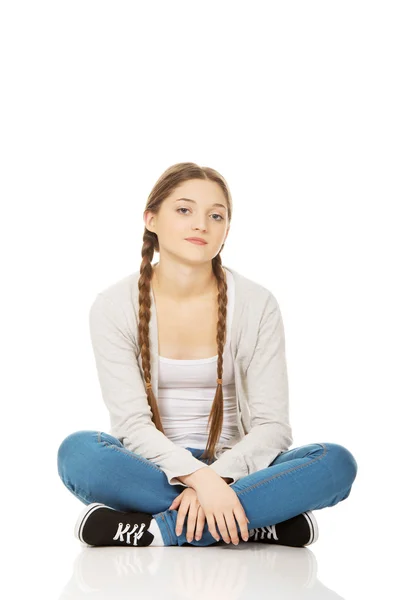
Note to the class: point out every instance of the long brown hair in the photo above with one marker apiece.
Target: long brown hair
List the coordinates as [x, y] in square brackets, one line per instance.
[165, 185]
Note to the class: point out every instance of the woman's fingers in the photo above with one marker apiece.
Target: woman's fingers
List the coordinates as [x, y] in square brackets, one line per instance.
[212, 527]
[191, 521]
[222, 528]
[201, 518]
[232, 528]
[175, 503]
[227, 523]
[180, 519]
[242, 521]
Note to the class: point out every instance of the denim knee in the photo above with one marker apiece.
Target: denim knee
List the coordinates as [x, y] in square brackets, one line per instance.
[343, 463]
[73, 447]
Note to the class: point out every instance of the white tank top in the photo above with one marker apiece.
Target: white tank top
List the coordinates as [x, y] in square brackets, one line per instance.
[186, 390]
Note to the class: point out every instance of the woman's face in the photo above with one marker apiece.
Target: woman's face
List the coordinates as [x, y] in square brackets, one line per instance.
[179, 219]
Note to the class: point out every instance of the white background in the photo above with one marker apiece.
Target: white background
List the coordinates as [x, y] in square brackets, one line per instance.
[296, 103]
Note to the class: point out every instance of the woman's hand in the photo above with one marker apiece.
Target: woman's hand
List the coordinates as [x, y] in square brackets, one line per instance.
[221, 506]
[187, 501]
[213, 500]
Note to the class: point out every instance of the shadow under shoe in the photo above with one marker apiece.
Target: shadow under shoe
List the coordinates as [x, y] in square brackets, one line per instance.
[101, 525]
[301, 530]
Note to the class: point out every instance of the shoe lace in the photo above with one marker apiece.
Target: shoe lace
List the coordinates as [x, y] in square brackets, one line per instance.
[137, 535]
[260, 532]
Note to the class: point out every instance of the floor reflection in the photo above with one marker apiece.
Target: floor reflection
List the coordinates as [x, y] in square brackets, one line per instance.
[234, 572]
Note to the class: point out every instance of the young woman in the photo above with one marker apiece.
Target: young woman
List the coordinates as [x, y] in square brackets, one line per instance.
[190, 356]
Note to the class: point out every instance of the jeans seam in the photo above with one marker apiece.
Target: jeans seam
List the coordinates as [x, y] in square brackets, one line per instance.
[167, 528]
[127, 452]
[238, 493]
[80, 496]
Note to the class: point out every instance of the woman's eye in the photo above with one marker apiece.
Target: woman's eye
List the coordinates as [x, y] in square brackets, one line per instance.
[217, 215]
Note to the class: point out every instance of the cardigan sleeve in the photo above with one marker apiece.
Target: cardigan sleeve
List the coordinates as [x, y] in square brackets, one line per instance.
[266, 387]
[123, 391]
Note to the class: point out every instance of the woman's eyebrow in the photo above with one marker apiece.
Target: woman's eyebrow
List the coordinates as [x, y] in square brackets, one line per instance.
[190, 200]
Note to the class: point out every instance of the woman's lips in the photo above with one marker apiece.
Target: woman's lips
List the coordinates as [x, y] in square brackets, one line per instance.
[197, 242]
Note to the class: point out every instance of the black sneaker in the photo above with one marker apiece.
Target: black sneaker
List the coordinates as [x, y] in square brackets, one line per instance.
[101, 525]
[301, 530]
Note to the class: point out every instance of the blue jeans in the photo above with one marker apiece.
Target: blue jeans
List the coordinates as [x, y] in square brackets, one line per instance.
[96, 467]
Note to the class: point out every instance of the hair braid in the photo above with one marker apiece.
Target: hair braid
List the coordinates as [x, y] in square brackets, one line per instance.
[164, 186]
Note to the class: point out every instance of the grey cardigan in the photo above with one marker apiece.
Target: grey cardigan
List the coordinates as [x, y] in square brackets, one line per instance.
[258, 350]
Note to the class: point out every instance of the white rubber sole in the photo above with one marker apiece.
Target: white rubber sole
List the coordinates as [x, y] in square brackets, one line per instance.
[313, 527]
[83, 516]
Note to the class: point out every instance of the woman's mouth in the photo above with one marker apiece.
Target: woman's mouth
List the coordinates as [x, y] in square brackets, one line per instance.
[198, 242]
